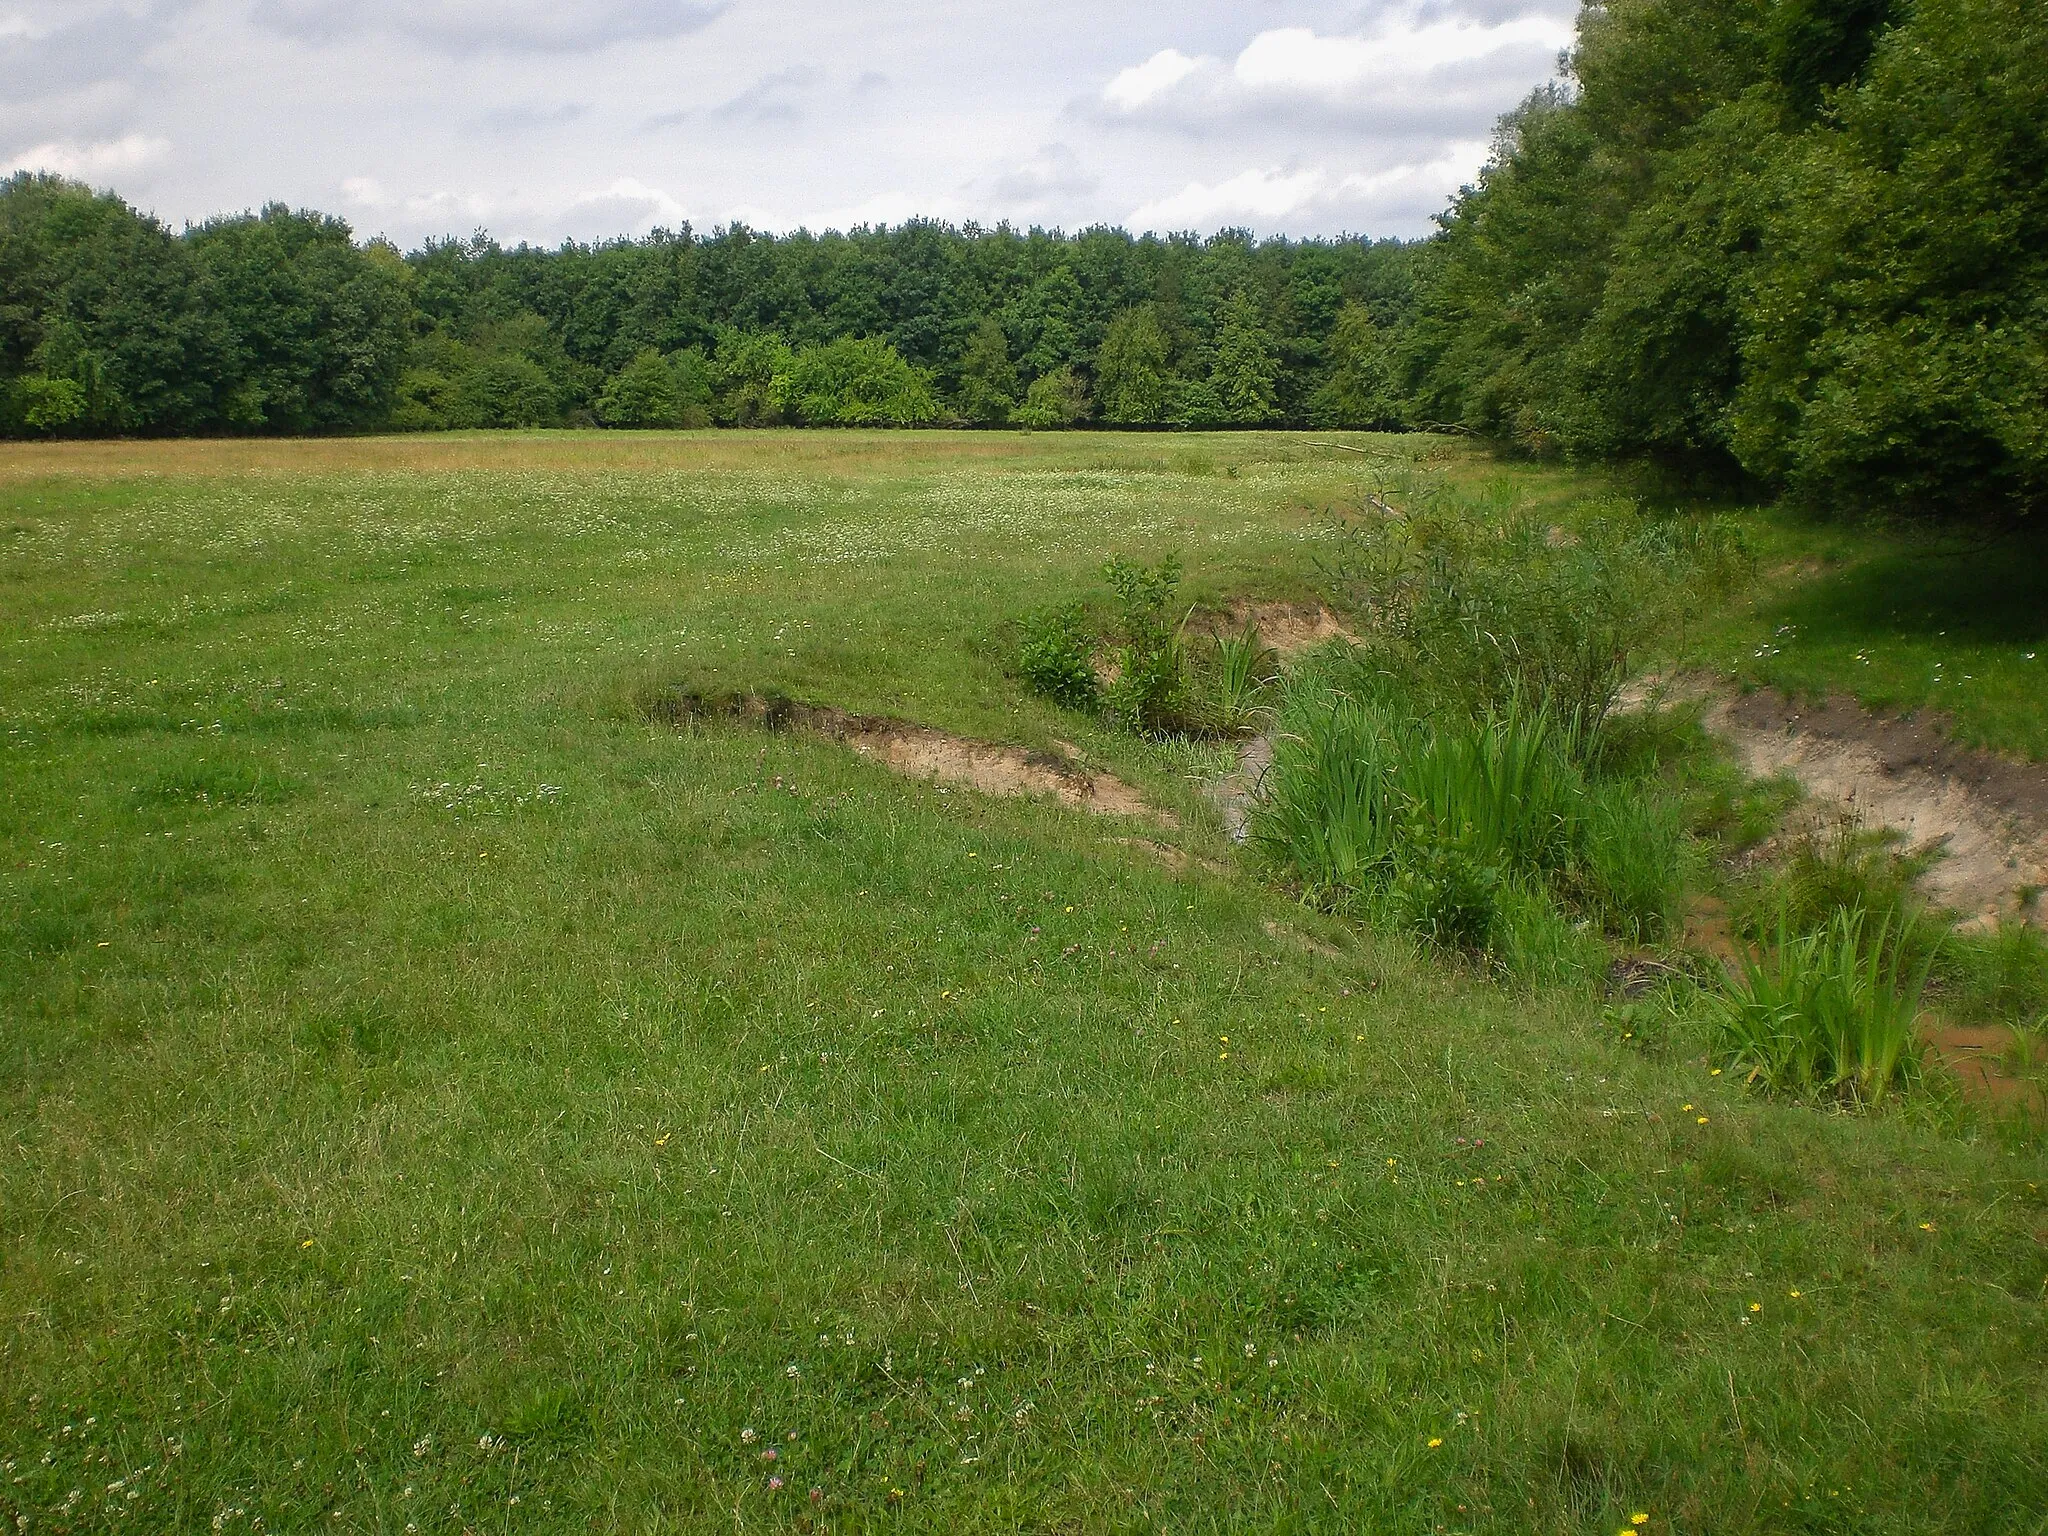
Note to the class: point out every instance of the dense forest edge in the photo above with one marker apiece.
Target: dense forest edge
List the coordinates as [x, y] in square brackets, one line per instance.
[1796, 245]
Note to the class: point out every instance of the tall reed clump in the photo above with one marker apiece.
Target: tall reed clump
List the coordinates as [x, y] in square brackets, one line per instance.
[1832, 1013]
[1467, 830]
[1245, 669]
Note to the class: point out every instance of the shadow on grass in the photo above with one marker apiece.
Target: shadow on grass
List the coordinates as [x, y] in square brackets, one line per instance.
[1993, 592]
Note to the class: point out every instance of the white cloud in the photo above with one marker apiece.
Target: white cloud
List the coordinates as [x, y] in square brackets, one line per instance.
[645, 207]
[1314, 198]
[1257, 194]
[425, 118]
[1296, 58]
[1054, 172]
[91, 162]
[1141, 83]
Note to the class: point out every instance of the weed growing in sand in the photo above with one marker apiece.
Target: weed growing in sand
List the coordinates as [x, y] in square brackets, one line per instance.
[1834, 1013]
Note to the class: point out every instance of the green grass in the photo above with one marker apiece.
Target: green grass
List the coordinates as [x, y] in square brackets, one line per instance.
[1954, 624]
[435, 1095]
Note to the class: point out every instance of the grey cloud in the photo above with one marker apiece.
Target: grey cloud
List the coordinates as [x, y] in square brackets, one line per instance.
[105, 45]
[1490, 12]
[777, 98]
[872, 80]
[528, 119]
[464, 26]
[1054, 172]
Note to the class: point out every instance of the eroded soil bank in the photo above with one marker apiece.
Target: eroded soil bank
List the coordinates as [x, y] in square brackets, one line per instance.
[919, 752]
[1986, 815]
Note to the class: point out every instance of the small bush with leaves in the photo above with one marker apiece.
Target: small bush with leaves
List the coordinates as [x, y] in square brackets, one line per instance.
[1053, 657]
[1475, 603]
[1150, 694]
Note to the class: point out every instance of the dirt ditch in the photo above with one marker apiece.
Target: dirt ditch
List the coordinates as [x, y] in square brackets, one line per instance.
[919, 752]
[1986, 814]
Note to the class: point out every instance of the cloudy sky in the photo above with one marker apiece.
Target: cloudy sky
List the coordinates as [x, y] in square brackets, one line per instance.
[550, 119]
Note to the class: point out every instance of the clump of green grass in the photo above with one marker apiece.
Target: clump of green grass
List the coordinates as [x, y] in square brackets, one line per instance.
[1829, 1014]
[1637, 857]
[1245, 670]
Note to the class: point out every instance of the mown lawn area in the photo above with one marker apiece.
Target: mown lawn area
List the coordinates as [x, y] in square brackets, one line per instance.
[435, 1095]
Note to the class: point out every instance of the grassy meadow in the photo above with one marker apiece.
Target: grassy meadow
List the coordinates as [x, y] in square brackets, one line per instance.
[438, 1097]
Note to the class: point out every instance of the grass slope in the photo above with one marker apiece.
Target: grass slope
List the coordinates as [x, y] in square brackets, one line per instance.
[1902, 620]
[435, 1097]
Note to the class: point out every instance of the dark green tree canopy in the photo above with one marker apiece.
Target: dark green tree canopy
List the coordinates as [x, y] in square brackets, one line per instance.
[1806, 240]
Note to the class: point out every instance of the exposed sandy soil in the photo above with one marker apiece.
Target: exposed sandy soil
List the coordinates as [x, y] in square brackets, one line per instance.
[1179, 860]
[919, 752]
[1988, 815]
[1300, 940]
[1288, 628]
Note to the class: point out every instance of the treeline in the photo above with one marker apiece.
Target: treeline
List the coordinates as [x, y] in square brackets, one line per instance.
[1803, 239]
[278, 322]
[1804, 242]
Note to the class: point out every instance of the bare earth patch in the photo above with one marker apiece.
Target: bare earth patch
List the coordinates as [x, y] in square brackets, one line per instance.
[920, 752]
[1288, 628]
[1987, 814]
[1977, 1055]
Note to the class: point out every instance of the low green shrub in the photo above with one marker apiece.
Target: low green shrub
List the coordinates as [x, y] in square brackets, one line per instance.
[1833, 1013]
[1054, 657]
